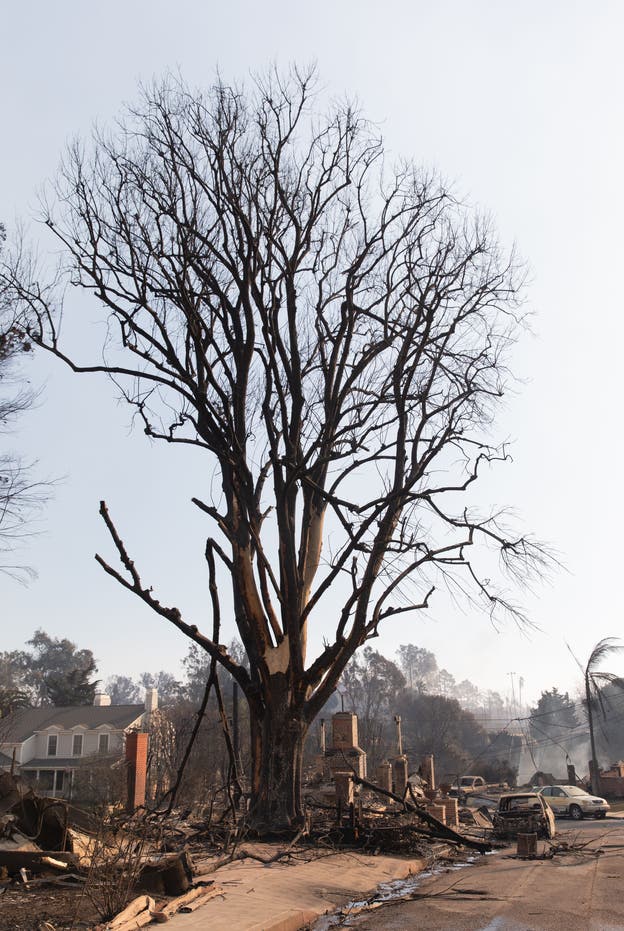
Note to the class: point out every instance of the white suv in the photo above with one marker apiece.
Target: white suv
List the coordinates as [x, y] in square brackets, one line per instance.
[575, 802]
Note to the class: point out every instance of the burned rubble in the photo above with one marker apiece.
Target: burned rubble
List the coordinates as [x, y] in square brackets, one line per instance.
[129, 868]
[55, 876]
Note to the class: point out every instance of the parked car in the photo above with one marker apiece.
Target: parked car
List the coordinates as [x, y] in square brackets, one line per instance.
[467, 784]
[575, 802]
[523, 813]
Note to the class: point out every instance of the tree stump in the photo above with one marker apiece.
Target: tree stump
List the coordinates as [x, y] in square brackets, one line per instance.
[170, 876]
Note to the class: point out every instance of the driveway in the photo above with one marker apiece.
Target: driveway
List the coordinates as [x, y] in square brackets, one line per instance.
[575, 891]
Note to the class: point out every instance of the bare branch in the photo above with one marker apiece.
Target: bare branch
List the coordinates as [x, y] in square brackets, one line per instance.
[134, 584]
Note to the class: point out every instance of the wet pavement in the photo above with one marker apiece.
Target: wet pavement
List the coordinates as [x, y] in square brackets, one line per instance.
[578, 890]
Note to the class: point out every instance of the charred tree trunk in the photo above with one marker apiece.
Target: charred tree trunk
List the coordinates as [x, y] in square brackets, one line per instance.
[277, 743]
[594, 768]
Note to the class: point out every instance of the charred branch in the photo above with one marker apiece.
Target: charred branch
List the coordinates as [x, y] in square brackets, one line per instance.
[215, 650]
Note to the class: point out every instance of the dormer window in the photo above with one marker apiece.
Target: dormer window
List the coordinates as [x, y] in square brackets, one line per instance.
[77, 745]
[103, 744]
[52, 744]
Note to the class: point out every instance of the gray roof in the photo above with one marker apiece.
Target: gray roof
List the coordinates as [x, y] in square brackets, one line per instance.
[71, 762]
[24, 722]
[54, 762]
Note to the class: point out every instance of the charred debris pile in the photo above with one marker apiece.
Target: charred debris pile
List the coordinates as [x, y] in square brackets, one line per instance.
[60, 868]
[126, 866]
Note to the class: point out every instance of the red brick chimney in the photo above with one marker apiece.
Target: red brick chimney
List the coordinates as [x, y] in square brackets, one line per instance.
[136, 759]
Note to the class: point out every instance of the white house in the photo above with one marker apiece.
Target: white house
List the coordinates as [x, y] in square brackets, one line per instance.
[48, 744]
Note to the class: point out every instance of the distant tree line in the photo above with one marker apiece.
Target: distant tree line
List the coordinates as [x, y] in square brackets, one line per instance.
[463, 725]
[437, 714]
[54, 671]
[468, 728]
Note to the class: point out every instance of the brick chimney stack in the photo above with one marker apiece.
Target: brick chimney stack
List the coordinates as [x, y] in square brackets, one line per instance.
[136, 759]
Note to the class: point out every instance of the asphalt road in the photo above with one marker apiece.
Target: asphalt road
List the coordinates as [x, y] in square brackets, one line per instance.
[581, 890]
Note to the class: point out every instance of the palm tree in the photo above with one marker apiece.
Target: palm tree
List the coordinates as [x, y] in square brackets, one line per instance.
[595, 680]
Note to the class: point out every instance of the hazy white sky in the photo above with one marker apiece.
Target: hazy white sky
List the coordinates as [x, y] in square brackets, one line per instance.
[520, 105]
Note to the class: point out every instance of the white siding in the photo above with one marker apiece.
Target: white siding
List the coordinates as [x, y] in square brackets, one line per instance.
[29, 749]
[65, 742]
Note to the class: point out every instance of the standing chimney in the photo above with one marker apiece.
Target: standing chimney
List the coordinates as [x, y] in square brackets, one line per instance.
[101, 700]
[344, 730]
[151, 700]
[428, 771]
[136, 760]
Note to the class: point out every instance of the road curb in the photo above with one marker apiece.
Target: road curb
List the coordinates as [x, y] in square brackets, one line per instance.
[288, 920]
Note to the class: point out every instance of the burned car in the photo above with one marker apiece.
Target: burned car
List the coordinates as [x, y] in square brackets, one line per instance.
[466, 785]
[523, 813]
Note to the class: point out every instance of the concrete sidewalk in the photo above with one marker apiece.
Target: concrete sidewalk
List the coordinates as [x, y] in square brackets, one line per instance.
[286, 896]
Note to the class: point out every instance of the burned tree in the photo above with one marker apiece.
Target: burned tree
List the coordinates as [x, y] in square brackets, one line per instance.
[20, 495]
[333, 334]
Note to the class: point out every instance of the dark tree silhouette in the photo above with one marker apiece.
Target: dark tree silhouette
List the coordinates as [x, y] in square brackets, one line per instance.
[170, 690]
[371, 685]
[595, 680]
[419, 666]
[439, 725]
[554, 716]
[20, 495]
[123, 690]
[55, 672]
[334, 334]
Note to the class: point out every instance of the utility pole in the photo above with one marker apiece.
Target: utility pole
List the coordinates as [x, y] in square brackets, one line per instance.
[513, 693]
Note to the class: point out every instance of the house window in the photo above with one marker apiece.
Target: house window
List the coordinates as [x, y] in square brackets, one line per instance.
[46, 780]
[103, 744]
[51, 780]
[52, 742]
[77, 745]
